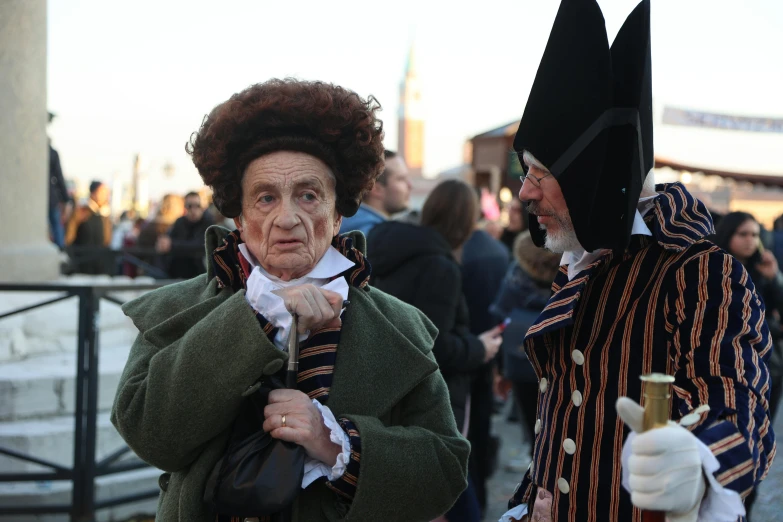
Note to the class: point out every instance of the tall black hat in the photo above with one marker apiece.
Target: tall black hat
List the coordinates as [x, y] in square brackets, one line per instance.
[589, 120]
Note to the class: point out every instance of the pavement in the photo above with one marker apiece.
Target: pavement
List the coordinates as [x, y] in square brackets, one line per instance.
[768, 506]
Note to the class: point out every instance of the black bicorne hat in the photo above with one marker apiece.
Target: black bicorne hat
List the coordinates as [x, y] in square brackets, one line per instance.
[589, 120]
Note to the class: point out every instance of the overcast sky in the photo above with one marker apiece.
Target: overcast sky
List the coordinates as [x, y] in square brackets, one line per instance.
[139, 76]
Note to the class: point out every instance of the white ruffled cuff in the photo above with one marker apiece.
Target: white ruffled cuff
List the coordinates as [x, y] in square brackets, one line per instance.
[315, 469]
[514, 514]
[719, 504]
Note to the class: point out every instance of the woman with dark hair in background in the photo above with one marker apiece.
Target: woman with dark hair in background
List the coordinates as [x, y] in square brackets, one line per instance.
[738, 233]
[420, 265]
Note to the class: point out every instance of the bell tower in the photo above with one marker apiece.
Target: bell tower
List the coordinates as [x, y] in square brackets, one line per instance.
[410, 136]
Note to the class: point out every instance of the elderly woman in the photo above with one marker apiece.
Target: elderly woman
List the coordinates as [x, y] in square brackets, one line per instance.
[287, 160]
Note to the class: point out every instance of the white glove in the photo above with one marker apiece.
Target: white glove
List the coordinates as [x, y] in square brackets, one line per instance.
[665, 466]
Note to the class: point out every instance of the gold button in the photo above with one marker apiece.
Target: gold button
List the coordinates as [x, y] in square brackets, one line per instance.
[569, 446]
[562, 485]
[542, 385]
[576, 397]
[537, 428]
[578, 357]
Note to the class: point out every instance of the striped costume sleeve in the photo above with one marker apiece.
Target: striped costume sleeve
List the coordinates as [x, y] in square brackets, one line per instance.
[268, 328]
[719, 344]
[345, 486]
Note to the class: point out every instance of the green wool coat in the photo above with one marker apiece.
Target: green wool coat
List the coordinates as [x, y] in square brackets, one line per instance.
[200, 348]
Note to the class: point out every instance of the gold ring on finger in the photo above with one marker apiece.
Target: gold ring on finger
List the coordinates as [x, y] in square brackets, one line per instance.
[284, 421]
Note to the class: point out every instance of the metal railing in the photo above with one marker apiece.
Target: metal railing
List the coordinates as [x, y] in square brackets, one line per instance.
[85, 468]
[105, 260]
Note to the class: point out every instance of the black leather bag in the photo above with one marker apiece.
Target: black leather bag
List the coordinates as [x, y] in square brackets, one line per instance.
[258, 475]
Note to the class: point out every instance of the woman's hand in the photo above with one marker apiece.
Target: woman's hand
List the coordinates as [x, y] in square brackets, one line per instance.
[304, 424]
[768, 267]
[316, 307]
[491, 339]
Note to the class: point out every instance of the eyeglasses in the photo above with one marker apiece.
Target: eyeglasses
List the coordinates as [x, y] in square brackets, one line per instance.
[536, 181]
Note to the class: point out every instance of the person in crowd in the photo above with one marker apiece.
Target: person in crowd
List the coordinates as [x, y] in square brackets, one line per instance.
[124, 226]
[170, 209]
[642, 291]
[93, 233]
[777, 239]
[130, 267]
[184, 242]
[419, 264]
[493, 228]
[389, 195]
[738, 234]
[484, 263]
[523, 295]
[516, 224]
[287, 159]
[58, 196]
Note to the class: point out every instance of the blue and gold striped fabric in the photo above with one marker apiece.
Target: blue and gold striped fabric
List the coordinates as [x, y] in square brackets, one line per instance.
[672, 303]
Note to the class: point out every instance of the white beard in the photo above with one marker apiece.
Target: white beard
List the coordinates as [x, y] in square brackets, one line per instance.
[562, 242]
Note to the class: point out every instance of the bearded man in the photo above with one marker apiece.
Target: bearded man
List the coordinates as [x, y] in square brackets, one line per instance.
[640, 290]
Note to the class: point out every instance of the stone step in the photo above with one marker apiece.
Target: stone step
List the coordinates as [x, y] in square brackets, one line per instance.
[54, 328]
[110, 486]
[45, 385]
[52, 439]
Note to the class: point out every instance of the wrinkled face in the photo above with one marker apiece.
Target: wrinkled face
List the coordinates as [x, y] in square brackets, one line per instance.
[397, 191]
[289, 215]
[544, 199]
[193, 208]
[745, 240]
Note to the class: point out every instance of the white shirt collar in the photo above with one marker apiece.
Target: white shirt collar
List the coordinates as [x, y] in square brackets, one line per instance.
[578, 260]
[332, 263]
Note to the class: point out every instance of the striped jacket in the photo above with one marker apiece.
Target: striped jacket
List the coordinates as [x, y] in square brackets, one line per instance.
[674, 303]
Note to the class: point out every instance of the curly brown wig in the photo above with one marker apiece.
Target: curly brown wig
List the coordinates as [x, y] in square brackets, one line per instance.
[327, 121]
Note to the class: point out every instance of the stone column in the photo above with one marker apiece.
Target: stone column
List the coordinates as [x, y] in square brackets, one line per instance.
[26, 253]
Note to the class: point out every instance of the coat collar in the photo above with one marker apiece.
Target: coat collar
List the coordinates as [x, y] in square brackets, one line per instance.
[678, 220]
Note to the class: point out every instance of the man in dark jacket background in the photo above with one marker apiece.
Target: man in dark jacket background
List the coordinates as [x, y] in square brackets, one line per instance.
[93, 233]
[185, 240]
